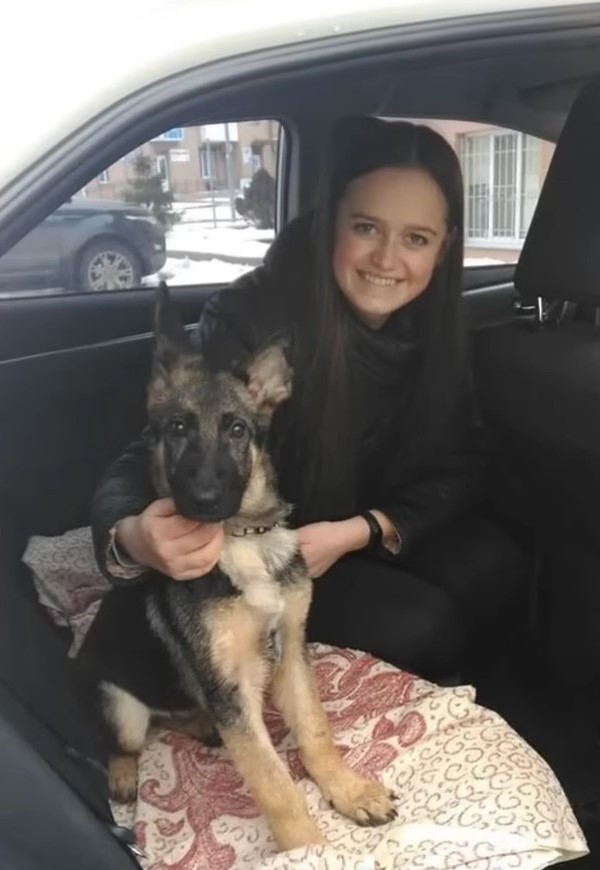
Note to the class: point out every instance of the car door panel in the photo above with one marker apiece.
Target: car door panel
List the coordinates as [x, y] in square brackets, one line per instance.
[30, 325]
[71, 407]
[39, 324]
[65, 415]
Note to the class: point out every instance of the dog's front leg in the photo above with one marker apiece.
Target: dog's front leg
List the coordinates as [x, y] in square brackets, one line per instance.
[236, 703]
[295, 693]
[278, 798]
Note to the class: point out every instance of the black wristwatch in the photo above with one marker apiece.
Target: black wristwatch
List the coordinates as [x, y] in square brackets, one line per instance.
[375, 532]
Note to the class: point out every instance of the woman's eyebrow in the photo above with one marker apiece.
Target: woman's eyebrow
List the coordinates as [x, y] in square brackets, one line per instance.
[363, 216]
[414, 228]
[421, 229]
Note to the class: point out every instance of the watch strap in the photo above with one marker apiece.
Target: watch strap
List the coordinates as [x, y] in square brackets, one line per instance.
[375, 531]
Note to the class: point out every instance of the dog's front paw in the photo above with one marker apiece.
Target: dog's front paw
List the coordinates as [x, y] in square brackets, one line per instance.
[366, 801]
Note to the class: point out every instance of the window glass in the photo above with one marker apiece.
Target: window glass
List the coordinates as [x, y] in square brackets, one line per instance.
[195, 205]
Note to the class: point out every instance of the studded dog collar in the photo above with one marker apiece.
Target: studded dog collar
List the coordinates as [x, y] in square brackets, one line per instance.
[255, 530]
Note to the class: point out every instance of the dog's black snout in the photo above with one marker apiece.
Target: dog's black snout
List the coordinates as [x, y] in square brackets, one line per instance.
[205, 497]
[206, 485]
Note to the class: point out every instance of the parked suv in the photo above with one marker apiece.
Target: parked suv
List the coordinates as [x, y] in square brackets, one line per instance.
[86, 245]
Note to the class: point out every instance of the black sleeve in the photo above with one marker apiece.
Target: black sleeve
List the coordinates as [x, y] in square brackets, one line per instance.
[124, 490]
[238, 320]
[449, 486]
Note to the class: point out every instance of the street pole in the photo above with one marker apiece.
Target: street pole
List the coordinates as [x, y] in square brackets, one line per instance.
[210, 181]
[228, 172]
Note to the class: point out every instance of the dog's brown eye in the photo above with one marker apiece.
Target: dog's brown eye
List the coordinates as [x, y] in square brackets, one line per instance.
[176, 427]
[238, 429]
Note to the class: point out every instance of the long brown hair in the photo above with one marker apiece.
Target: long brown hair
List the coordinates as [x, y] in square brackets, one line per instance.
[358, 146]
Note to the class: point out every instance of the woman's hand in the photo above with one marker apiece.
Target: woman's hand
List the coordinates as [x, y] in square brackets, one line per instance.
[162, 539]
[322, 544]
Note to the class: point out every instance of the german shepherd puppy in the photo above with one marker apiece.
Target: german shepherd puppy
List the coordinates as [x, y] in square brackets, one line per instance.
[199, 654]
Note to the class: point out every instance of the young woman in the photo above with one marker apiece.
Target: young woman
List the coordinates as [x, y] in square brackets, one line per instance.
[378, 448]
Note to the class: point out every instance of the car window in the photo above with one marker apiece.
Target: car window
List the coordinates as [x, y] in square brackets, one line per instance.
[503, 172]
[195, 205]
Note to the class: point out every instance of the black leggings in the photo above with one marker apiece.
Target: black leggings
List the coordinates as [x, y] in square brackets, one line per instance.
[430, 613]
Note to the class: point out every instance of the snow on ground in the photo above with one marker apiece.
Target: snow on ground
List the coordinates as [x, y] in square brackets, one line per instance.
[207, 211]
[178, 272]
[219, 212]
[233, 241]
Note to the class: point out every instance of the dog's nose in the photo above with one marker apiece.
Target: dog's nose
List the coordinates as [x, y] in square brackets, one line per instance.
[205, 497]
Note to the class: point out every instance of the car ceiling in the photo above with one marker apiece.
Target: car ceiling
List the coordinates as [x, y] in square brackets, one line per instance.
[525, 88]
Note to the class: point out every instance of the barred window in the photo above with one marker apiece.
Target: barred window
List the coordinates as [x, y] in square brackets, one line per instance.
[502, 182]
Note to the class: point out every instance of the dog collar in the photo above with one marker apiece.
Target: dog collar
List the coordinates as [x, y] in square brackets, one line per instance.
[255, 530]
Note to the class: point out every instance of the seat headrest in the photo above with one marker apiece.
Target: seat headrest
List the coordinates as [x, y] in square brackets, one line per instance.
[560, 259]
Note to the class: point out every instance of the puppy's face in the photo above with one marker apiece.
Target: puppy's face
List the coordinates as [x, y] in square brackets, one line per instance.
[208, 428]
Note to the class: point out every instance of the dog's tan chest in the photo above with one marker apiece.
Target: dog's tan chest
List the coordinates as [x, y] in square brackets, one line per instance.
[252, 564]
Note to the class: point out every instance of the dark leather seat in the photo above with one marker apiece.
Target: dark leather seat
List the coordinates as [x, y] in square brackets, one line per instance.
[538, 383]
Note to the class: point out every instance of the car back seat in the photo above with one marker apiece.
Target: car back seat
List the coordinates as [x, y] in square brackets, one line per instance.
[538, 384]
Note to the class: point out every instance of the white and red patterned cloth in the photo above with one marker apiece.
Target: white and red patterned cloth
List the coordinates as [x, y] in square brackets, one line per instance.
[471, 793]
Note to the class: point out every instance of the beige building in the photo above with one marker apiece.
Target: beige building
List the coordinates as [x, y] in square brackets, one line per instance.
[196, 161]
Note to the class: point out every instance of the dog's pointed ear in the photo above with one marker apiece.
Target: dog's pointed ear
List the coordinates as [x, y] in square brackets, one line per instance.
[269, 378]
[171, 338]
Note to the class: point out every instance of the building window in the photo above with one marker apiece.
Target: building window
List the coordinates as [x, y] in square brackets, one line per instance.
[103, 177]
[502, 175]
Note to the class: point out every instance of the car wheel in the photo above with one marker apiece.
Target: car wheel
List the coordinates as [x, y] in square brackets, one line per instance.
[108, 265]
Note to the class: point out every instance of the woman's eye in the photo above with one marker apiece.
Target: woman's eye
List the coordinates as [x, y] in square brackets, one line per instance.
[417, 240]
[237, 429]
[176, 427]
[362, 228]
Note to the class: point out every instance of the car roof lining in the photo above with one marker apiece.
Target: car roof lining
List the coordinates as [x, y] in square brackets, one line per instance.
[531, 91]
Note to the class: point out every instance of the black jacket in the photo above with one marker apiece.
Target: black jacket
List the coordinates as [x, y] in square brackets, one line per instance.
[270, 302]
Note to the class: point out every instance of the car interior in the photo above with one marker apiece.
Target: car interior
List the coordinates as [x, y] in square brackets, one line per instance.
[73, 370]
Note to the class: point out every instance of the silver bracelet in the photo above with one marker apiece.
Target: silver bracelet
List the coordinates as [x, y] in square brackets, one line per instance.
[121, 560]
